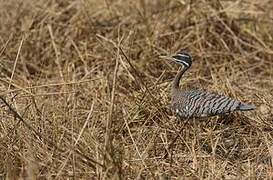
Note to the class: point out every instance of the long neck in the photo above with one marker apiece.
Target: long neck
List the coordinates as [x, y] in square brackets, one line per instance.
[178, 77]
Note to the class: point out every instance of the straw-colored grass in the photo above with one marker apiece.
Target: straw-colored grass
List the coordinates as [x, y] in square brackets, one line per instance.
[84, 92]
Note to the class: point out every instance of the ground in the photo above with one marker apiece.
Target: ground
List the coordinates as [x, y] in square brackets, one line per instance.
[85, 89]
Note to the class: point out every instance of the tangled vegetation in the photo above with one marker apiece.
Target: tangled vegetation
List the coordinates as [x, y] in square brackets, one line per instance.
[85, 93]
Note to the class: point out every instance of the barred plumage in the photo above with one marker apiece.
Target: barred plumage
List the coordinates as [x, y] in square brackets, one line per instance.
[195, 103]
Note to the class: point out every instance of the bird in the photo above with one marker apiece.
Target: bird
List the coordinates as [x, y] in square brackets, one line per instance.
[199, 103]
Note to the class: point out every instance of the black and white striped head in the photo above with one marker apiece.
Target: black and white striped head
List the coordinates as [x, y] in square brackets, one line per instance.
[183, 59]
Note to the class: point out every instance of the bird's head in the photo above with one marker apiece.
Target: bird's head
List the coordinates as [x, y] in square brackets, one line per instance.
[183, 58]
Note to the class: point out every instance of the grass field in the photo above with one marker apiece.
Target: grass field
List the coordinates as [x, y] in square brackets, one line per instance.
[85, 93]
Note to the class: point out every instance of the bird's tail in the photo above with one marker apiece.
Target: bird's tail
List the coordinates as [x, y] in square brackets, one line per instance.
[246, 107]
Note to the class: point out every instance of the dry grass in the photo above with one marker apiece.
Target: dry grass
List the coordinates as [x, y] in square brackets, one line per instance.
[87, 93]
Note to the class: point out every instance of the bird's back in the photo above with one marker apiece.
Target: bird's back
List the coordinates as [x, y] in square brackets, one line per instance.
[196, 103]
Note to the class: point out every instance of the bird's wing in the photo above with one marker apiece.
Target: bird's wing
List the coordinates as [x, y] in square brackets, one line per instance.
[202, 103]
